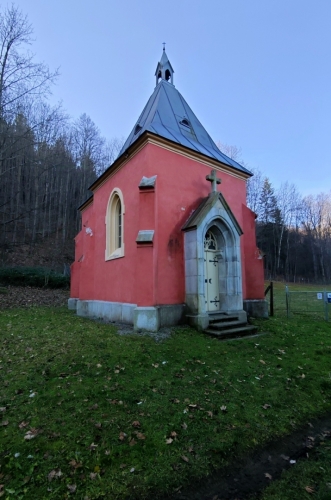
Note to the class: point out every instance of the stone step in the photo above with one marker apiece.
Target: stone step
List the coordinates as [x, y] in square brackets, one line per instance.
[242, 331]
[213, 318]
[223, 325]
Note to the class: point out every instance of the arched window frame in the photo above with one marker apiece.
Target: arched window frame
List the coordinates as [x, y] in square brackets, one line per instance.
[115, 225]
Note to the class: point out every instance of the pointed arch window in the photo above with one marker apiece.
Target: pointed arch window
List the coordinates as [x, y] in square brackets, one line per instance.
[115, 226]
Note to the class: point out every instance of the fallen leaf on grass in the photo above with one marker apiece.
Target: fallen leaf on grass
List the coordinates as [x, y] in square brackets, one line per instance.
[31, 434]
[309, 489]
[94, 407]
[122, 466]
[183, 457]
[261, 361]
[75, 464]
[169, 441]
[140, 435]
[2, 408]
[173, 434]
[4, 423]
[72, 488]
[136, 423]
[132, 442]
[55, 473]
[122, 436]
[267, 475]
[209, 413]
[98, 425]
[93, 475]
[156, 365]
[266, 406]
[284, 457]
[92, 447]
[184, 426]
[23, 424]
[223, 408]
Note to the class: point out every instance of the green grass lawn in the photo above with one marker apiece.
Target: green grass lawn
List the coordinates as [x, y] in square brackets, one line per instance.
[90, 414]
[308, 479]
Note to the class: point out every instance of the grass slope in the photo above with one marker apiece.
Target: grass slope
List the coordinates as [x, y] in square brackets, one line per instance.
[308, 479]
[87, 413]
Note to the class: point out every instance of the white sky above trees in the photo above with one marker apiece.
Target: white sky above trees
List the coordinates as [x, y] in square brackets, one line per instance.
[256, 73]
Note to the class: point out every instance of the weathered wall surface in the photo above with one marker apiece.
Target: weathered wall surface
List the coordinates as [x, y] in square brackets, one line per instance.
[153, 275]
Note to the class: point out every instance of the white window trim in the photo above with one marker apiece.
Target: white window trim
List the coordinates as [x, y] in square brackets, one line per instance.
[110, 252]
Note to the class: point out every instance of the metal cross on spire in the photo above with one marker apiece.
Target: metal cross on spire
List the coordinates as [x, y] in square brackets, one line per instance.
[213, 180]
[164, 44]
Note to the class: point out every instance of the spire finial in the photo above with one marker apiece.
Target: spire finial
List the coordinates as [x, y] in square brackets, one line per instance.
[164, 70]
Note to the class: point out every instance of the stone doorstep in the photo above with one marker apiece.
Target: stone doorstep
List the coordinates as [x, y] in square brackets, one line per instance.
[220, 318]
[233, 332]
[224, 325]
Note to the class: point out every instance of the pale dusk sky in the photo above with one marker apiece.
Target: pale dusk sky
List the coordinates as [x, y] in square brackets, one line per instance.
[256, 73]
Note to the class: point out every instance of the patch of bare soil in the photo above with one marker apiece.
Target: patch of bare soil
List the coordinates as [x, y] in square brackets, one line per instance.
[251, 475]
[19, 296]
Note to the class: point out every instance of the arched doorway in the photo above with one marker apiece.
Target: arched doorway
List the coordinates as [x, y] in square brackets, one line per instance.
[211, 268]
[213, 281]
[222, 278]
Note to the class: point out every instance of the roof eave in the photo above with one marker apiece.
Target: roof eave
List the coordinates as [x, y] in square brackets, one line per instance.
[148, 136]
[210, 160]
[86, 203]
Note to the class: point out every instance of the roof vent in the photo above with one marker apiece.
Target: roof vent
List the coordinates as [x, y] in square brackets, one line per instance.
[137, 129]
[185, 122]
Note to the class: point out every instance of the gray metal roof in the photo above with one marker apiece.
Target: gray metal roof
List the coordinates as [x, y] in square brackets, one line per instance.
[168, 115]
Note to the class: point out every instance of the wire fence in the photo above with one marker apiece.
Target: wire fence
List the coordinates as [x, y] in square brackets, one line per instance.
[314, 303]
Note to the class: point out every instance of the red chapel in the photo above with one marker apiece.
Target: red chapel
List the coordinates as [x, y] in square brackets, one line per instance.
[167, 236]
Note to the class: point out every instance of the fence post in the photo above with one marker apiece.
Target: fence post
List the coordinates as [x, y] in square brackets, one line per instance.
[287, 301]
[326, 308]
[271, 298]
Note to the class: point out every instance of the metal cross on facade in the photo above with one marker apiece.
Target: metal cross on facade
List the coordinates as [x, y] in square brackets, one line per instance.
[213, 180]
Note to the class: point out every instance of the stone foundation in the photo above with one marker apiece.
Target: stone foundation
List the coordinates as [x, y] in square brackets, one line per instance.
[142, 318]
[256, 308]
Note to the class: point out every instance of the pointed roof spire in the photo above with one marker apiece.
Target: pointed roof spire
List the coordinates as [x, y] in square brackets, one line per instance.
[164, 70]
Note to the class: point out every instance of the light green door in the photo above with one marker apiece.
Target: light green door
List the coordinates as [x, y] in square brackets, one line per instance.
[212, 293]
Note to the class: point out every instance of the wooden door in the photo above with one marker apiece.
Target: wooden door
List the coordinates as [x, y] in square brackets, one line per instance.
[212, 293]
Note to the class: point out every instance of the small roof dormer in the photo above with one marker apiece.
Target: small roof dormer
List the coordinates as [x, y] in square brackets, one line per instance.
[164, 70]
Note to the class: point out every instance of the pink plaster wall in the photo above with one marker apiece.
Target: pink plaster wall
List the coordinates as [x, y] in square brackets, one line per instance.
[154, 275]
[253, 276]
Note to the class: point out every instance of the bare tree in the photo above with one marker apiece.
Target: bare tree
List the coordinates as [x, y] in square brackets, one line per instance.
[20, 75]
[289, 202]
[254, 189]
